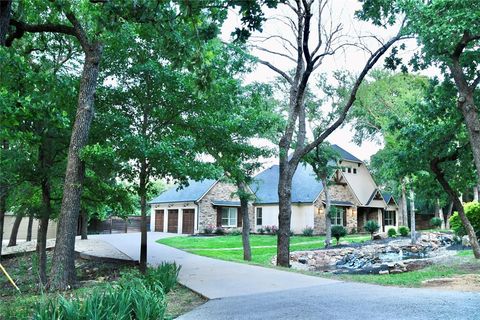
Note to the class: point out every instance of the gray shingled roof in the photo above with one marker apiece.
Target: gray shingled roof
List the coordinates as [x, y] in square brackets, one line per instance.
[305, 188]
[345, 154]
[193, 192]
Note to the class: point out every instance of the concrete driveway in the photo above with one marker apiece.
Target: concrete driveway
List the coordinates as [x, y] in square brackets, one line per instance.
[241, 291]
[213, 278]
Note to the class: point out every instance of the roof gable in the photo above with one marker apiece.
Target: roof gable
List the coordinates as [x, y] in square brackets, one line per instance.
[305, 186]
[345, 155]
[193, 192]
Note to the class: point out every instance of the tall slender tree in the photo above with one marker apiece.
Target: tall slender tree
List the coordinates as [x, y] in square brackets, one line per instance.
[307, 51]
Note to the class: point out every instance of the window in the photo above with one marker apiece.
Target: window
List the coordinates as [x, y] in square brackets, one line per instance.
[259, 217]
[354, 170]
[389, 218]
[349, 170]
[229, 217]
[337, 215]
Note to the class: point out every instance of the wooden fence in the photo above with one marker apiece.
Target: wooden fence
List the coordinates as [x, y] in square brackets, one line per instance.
[116, 225]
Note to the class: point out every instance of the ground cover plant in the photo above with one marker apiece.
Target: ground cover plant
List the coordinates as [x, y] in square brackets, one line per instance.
[105, 290]
[263, 246]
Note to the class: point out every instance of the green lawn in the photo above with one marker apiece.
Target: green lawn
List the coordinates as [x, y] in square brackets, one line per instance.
[264, 247]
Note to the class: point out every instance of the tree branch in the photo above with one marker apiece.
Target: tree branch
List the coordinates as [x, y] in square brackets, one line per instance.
[21, 28]
[277, 70]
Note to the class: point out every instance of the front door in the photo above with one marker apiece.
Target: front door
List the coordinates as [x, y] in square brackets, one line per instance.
[173, 221]
[188, 221]
[159, 216]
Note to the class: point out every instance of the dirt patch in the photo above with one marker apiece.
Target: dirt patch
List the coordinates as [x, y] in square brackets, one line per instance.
[466, 282]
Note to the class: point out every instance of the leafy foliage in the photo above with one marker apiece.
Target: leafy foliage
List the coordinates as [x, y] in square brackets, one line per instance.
[403, 230]
[371, 226]
[436, 222]
[392, 233]
[472, 211]
[308, 232]
[338, 232]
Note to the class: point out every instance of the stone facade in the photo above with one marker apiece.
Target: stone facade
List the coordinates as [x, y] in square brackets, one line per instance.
[207, 213]
[337, 192]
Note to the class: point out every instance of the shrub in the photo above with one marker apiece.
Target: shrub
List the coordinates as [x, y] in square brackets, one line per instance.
[436, 222]
[274, 229]
[338, 232]
[268, 229]
[165, 276]
[353, 231]
[261, 230]
[472, 211]
[235, 232]
[392, 233]
[371, 226]
[307, 232]
[219, 231]
[132, 298]
[209, 229]
[403, 231]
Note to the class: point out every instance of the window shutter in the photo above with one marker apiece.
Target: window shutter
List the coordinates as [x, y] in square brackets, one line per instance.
[394, 218]
[239, 217]
[345, 217]
[219, 216]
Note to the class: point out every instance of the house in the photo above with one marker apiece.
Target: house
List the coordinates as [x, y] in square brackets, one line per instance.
[352, 191]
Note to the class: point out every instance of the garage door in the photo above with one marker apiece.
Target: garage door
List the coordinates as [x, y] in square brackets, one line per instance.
[173, 221]
[159, 216]
[188, 221]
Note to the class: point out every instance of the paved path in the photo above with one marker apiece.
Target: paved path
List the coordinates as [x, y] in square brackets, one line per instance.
[90, 249]
[240, 291]
[213, 278]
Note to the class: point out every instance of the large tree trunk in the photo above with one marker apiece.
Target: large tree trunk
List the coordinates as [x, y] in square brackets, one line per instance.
[247, 251]
[63, 264]
[440, 176]
[83, 225]
[404, 204]
[5, 11]
[29, 228]
[142, 192]
[13, 236]
[328, 220]
[412, 217]
[284, 213]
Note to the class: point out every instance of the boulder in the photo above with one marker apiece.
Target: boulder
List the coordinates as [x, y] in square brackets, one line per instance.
[466, 241]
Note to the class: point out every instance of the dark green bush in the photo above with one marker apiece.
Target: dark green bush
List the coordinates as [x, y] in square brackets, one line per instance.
[403, 231]
[472, 211]
[219, 231]
[436, 222]
[338, 232]
[307, 232]
[392, 233]
[261, 230]
[371, 226]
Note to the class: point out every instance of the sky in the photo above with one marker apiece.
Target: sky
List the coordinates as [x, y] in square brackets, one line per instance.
[352, 59]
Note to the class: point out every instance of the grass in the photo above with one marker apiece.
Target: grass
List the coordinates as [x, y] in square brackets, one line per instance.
[264, 247]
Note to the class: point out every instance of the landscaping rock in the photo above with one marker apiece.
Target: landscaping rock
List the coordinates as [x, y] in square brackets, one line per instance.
[388, 256]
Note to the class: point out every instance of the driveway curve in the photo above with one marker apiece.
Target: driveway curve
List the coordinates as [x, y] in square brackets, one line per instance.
[242, 291]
